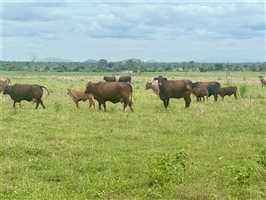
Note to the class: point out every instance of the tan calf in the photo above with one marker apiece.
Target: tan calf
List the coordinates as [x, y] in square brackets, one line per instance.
[154, 86]
[78, 96]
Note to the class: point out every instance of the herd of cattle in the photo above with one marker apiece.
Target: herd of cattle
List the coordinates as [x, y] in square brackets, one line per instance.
[121, 91]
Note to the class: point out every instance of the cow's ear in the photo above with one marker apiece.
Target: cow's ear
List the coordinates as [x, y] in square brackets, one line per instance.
[155, 79]
[68, 89]
[165, 79]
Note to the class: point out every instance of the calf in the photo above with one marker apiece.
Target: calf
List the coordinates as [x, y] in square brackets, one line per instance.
[125, 79]
[174, 89]
[3, 83]
[111, 91]
[200, 93]
[19, 92]
[78, 96]
[212, 88]
[227, 91]
[263, 81]
[154, 86]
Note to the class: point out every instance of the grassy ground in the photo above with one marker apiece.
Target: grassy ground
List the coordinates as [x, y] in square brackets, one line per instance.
[213, 150]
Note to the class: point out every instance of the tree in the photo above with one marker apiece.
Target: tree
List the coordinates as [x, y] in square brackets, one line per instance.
[102, 64]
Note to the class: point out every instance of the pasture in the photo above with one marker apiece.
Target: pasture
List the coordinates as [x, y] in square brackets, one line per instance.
[212, 150]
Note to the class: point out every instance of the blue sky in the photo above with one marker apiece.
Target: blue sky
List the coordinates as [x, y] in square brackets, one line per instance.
[148, 30]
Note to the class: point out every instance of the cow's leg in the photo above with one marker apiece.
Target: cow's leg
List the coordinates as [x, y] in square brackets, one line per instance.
[42, 104]
[203, 98]
[92, 103]
[104, 106]
[37, 104]
[130, 105]
[165, 103]
[125, 104]
[14, 104]
[222, 98]
[77, 104]
[235, 95]
[215, 97]
[100, 106]
[187, 100]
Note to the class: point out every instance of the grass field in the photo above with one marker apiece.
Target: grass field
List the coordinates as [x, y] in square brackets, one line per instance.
[212, 150]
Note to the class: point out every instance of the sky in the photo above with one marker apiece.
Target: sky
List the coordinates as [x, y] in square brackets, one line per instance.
[173, 31]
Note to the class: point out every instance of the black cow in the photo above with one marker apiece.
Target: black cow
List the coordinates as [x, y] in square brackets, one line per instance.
[109, 78]
[174, 89]
[19, 92]
[125, 79]
[212, 87]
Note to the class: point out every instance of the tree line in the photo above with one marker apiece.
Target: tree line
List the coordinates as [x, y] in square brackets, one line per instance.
[133, 65]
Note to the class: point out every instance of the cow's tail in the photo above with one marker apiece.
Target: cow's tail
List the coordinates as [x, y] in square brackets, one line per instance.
[45, 89]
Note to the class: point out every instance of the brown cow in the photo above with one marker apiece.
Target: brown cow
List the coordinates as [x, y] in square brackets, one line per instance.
[78, 96]
[263, 81]
[200, 93]
[227, 91]
[174, 89]
[212, 87]
[109, 78]
[154, 86]
[111, 91]
[3, 83]
[19, 92]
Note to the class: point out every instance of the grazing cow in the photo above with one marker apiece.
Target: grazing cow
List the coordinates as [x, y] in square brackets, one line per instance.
[174, 89]
[78, 96]
[19, 92]
[200, 93]
[154, 86]
[109, 78]
[111, 91]
[227, 91]
[263, 81]
[212, 87]
[3, 83]
[124, 79]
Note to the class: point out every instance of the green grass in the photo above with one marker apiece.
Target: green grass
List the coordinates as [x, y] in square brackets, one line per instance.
[212, 150]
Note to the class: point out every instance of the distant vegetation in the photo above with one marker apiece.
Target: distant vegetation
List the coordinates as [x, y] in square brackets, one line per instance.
[133, 65]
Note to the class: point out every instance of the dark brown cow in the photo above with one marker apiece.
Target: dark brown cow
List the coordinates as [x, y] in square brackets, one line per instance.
[228, 91]
[111, 91]
[212, 87]
[78, 96]
[125, 79]
[3, 83]
[263, 81]
[200, 93]
[109, 78]
[174, 89]
[19, 92]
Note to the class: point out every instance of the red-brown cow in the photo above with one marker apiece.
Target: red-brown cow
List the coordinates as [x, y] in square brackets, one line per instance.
[174, 89]
[111, 91]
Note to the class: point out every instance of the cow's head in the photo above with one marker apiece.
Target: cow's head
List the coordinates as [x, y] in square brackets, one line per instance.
[160, 79]
[68, 91]
[89, 88]
[148, 86]
[7, 90]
